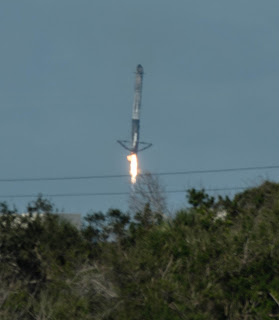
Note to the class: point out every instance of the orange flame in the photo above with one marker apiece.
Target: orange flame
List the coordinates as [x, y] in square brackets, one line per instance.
[132, 158]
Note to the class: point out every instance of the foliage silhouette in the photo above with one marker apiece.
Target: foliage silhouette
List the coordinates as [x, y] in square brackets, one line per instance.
[193, 265]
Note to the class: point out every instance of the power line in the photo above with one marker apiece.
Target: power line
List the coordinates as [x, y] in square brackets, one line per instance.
[110, 193]
[64, 178]
[216, 170]
[112, 176]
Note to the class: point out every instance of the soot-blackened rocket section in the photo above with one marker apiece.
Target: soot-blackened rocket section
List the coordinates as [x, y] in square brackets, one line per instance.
[133, 146]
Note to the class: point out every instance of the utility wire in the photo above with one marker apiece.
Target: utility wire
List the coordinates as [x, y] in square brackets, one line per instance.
[215, 170]
[111, 193]
[111, 176]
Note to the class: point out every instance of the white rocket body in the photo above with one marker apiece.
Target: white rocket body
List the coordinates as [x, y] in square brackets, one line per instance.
[134, 145]
[136, 109]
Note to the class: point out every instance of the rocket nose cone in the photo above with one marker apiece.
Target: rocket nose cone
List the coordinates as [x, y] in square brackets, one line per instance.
[139, 68]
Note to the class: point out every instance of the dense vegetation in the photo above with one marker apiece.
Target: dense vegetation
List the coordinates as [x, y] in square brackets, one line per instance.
[218, 259]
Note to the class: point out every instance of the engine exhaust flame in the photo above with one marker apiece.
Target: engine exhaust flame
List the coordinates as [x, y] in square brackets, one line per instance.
[132, 158]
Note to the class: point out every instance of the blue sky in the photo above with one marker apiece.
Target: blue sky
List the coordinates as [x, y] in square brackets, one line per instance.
[210, 95]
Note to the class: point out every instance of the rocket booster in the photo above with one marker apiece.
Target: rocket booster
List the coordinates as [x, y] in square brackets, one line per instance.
[133, 146]
[136, 109]
[138, 91]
